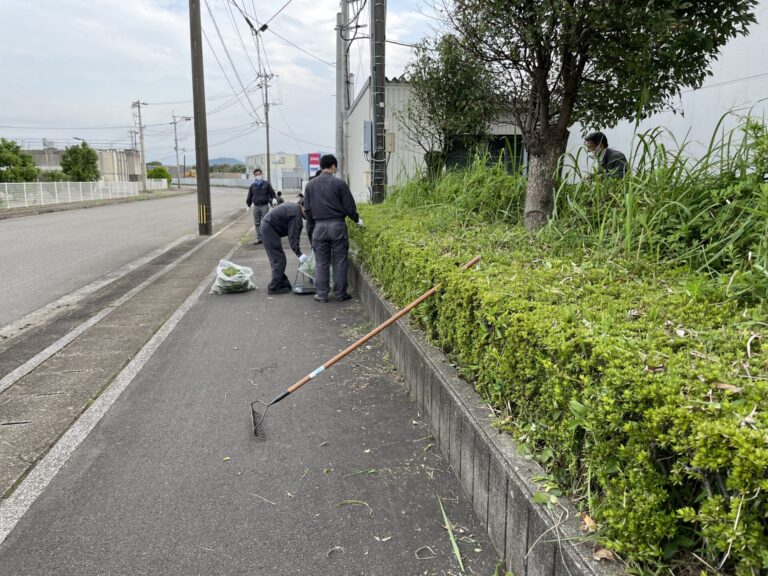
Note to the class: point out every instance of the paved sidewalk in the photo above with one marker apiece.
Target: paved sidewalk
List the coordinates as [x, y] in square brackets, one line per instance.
[172, 481]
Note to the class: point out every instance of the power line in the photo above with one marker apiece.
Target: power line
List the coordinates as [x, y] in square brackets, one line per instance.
[237, 30]
[326, 62]
[324, 146]
[226, 77]
[229, 57]
[278, 12]
[264, 27]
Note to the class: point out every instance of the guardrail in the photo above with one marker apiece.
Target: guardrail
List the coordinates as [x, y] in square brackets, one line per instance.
[26, 194]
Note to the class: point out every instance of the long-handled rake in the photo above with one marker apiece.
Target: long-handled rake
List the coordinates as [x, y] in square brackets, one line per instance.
[259, 416]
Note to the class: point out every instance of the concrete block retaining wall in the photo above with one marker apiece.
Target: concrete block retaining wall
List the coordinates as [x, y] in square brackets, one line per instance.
[533, 540]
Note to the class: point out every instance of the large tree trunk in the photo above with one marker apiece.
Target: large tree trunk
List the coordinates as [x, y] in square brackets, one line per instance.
[543, 171]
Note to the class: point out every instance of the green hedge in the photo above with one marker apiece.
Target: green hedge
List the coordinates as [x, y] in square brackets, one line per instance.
[641, 391]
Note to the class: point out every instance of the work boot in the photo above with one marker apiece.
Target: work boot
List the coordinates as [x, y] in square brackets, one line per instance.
[257, 242]
[343, 298]
[280, 290]
[320, 298]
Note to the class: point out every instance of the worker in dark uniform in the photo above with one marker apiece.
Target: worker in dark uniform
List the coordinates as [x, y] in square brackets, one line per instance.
[261, 195]
[611, 163]
[327, 201]
[285, 220]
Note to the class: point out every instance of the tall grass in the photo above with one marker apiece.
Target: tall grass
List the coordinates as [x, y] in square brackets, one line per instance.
[707, 211]
[482, 192]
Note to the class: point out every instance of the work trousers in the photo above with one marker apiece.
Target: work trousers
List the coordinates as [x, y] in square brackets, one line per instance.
[273, 244]
[330, 241]
[259, 211]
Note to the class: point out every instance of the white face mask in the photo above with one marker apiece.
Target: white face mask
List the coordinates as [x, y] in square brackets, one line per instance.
[259, 178]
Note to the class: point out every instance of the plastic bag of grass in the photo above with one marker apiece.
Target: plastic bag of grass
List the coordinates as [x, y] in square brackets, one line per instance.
[231, 278]
[308, 268]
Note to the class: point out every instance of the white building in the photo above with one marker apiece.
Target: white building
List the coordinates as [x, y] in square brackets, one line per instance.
[404, 158]
[285, 172]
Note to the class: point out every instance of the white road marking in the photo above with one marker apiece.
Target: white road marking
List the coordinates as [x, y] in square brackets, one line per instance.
[16, 505]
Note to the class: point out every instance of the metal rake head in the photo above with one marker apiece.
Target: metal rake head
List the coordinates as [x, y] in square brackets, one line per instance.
[258, 415]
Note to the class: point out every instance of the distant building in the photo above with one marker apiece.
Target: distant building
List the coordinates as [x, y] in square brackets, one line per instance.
[114, 165]
[286, 172]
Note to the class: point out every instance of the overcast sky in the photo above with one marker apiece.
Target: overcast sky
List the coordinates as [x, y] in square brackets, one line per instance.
[71, 69]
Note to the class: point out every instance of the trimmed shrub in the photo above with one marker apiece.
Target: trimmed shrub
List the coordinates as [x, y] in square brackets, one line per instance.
[642, 389]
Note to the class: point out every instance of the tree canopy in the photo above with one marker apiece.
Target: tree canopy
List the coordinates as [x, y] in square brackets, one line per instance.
[16, 165]
[451, 97]
[594, 62]
[80, 163]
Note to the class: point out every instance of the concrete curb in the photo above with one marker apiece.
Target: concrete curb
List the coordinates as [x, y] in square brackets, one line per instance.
[534, 540]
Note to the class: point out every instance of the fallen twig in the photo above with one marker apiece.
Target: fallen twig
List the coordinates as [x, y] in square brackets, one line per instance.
[262, 497]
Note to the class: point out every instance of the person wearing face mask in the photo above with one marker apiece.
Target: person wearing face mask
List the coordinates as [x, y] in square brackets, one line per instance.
[261, 195]
[611, 163]
[327, 201]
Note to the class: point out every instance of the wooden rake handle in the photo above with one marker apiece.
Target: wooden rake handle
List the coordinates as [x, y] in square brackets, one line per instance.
[375, 331]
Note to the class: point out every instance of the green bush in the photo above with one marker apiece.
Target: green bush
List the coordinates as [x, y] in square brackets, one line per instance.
[642, 389]
[160, 172]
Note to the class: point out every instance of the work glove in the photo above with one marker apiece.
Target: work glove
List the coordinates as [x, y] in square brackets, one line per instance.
[274, 203]
[302, 258]
[360, 223]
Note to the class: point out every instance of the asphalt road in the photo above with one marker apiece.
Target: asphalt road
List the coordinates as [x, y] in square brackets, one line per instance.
[46, 256]
[172, 481]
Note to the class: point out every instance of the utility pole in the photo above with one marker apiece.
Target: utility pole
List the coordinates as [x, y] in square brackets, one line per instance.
[264, 79]
[138, 104]
[378, 157]
[340, 89]
[204, 216]
[176, 120]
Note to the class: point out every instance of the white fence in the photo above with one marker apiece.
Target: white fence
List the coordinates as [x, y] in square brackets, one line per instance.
[25, 194]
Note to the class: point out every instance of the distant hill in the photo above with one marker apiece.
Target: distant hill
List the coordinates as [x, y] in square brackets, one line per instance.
[219, 161]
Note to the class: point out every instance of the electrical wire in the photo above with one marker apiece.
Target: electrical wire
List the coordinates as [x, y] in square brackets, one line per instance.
[244, 133]
[237, 30]
[226, 77]
[285, 40]
[323, 146]
[229, 57]
[326, 62]
[278, 12]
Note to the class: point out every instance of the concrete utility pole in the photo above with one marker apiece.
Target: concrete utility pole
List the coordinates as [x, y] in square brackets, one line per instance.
[378, 157]
[138, 104]
[341, 27]
[264, 79]
[176, 120]
[204, 216]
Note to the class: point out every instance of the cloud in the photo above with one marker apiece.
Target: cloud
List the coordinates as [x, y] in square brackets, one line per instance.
[68, 66]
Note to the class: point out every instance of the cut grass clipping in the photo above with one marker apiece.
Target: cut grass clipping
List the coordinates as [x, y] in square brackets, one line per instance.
[449, 527]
